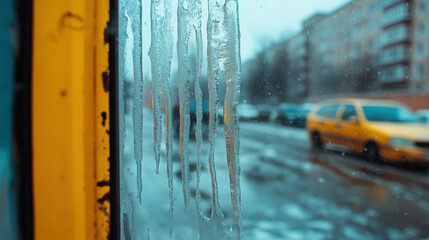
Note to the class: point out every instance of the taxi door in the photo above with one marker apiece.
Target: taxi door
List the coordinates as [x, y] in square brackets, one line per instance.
[328, 124]
[348, 128]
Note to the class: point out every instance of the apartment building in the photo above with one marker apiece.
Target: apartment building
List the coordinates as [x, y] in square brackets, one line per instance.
[419, 61]
[366, 47]
[344, 49]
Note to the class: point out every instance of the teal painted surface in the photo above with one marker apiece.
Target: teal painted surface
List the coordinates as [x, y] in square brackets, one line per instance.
[7, 192]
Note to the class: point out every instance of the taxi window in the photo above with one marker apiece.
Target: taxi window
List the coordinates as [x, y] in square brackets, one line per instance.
[328, 111]
[332, 111]
[349, 111]
[388, 114]
[322, 111]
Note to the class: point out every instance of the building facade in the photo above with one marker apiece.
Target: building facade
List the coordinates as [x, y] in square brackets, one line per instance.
[366, 47]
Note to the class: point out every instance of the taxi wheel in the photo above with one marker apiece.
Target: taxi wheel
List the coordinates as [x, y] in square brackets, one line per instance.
[317, 141]
[372, 152]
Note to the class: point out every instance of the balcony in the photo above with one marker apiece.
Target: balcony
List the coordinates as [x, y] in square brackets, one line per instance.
[394, 74]
[397, 35]
[388, 4]
[395, 55]
[397, 14]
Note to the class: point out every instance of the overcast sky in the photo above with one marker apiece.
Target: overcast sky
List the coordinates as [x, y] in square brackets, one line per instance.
[262, 22]
[266, 21]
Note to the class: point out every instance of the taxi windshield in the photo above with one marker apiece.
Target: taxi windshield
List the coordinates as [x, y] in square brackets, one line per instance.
[388, 114]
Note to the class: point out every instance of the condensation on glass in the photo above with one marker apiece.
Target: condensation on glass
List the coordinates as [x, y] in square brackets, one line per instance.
[169, 102]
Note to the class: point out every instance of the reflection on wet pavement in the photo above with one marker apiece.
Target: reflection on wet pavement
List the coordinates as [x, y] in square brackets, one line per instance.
[326, 194]
[288, 191]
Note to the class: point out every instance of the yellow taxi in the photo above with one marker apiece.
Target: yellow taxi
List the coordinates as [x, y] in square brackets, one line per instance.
[380, 129]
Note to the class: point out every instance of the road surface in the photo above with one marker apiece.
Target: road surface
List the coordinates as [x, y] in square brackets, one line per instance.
[289, 191]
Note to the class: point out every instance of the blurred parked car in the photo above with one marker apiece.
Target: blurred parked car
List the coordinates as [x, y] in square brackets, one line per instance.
[423, 115]
[193, 118]
[380, 129]
[247, 112]
[290, 115]
[264, 112]
[308, 107]
[302, 117]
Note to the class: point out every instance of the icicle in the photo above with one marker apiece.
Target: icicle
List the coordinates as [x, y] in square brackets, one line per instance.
[123, 37]
[169, 139]
[134, 10]
[161, 53]
[198, 97]
[123, 22]
[232, 128]
[159, 65]
[169, 143]
[184, 14]
[224, 55]
[214, 59]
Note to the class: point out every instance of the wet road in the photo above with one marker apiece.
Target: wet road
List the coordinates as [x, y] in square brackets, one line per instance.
[307, 194]
[289, 191]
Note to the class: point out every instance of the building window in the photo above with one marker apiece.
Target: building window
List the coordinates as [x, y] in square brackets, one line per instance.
[395, 34]
[394, 54]
[422, 8]
[350, 35]
[389, 2]
[421, 29]
[419, 72]
[373, 8]
[322, 46]
[420, 50]
[395, 14]
[359, 32]
[359, 15]
[351, 19]
[374, 25]
[393, 74]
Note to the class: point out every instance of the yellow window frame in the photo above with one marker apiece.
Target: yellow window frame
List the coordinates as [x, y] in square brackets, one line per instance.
[71, 119]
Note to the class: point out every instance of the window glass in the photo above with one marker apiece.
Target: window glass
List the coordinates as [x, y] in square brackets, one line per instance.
[419, 72]
[349, 111]
[329, 111]
[420, 50]
[388, 114]
[322, 111]
[176, 183]
[396, 13]
[332, 111]
[393, 73]
[422, 7]
[395, 34]
[394, 54]
[301, 176]
[421, 29]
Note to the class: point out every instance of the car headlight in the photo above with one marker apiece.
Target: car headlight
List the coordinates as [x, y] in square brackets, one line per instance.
[400, 142]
